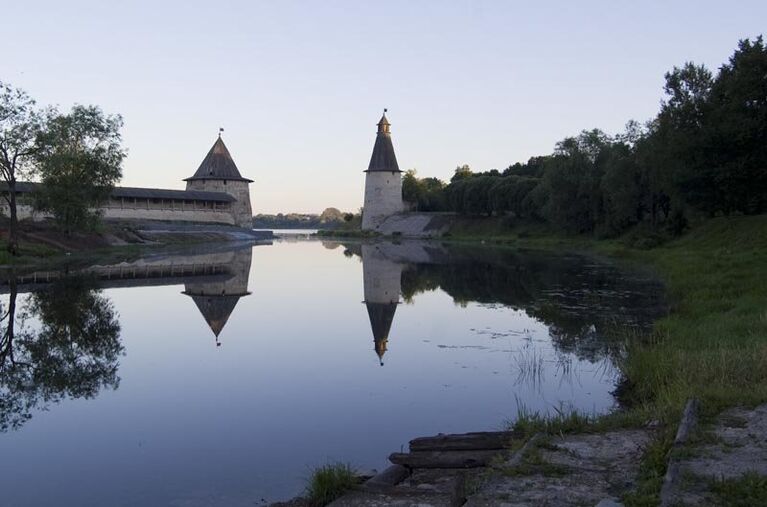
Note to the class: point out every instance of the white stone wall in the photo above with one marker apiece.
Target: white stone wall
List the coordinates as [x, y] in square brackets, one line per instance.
[383, 198]
[23, 211]
[241, 209]
[203, 216]
[381, 277]
[200, 215]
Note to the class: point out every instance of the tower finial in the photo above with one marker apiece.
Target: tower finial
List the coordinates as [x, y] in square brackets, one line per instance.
[383, 123]
[220, 129]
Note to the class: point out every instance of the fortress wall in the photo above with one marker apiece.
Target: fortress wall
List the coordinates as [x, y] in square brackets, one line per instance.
[190, 215]
[198, 215]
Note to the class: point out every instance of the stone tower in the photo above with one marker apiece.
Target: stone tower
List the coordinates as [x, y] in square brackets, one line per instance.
[219, 173]
[383, 181]
[381, 279]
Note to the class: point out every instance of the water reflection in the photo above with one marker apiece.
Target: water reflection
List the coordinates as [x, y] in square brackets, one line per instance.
[381, 278]
[216, 298]
[61, 338]
[586, 304]
[470, 332]
[72, 352]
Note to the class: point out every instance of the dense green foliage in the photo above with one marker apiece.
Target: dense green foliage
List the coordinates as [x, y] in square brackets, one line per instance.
[77, 157]
[79, 160]
[705, 154]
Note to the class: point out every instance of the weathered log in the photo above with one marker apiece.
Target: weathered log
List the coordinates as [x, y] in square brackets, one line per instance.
[463, 442]
[443, 459]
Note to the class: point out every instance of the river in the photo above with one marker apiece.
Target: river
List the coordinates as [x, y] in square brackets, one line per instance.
[223, 375]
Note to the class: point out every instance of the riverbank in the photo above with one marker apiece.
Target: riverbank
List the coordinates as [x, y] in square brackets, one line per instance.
[42, 243]
[712, 346]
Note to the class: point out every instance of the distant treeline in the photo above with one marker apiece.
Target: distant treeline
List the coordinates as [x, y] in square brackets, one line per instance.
[331, 218]
[705, 154]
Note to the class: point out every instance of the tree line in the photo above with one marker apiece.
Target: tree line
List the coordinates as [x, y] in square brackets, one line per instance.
[703, 155]
[76, 156]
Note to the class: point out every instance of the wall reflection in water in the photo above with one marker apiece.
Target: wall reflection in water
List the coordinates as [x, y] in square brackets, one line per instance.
[60, 335]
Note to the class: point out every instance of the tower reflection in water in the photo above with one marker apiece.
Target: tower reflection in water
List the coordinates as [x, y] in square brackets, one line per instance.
[382, 285]
[217, 297]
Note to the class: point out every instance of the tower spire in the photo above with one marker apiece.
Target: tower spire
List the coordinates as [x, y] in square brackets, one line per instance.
[383, 124]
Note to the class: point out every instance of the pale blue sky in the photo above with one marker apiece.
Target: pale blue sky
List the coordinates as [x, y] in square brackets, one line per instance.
[299, 86]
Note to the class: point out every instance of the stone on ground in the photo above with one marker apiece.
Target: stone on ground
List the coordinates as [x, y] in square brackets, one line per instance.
[574, 470]
[735, 445]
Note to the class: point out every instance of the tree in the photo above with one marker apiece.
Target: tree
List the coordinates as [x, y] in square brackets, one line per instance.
[621, 187]
[410, 188]
[331, 215]
[736, 125]
[79, 159]
[571, 182]
[461, 173]
[682, 143]
[19, 126]
[476, 198]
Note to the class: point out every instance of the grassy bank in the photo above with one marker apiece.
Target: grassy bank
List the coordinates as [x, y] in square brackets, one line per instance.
[712, 345]
[42, 244]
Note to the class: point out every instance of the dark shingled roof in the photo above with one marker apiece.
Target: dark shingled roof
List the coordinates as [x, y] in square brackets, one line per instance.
[160, 193]
[218, 165]
[143, 193]
[383, 157]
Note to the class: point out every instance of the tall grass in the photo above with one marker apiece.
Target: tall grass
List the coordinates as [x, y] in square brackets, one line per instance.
[330, 482]
[713, 343]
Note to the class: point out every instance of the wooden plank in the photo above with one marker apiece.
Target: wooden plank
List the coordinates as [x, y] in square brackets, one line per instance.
[463, 442]
[444, 459]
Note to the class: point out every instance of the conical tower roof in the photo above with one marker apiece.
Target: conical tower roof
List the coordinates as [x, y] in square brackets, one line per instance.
[381, 318]
[218, 165]
[216, 310]
[383, 157]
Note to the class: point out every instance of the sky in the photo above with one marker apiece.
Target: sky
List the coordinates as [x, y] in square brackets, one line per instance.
[299, 86]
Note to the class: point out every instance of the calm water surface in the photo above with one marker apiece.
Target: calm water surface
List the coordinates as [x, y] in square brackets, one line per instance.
[221, 377]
